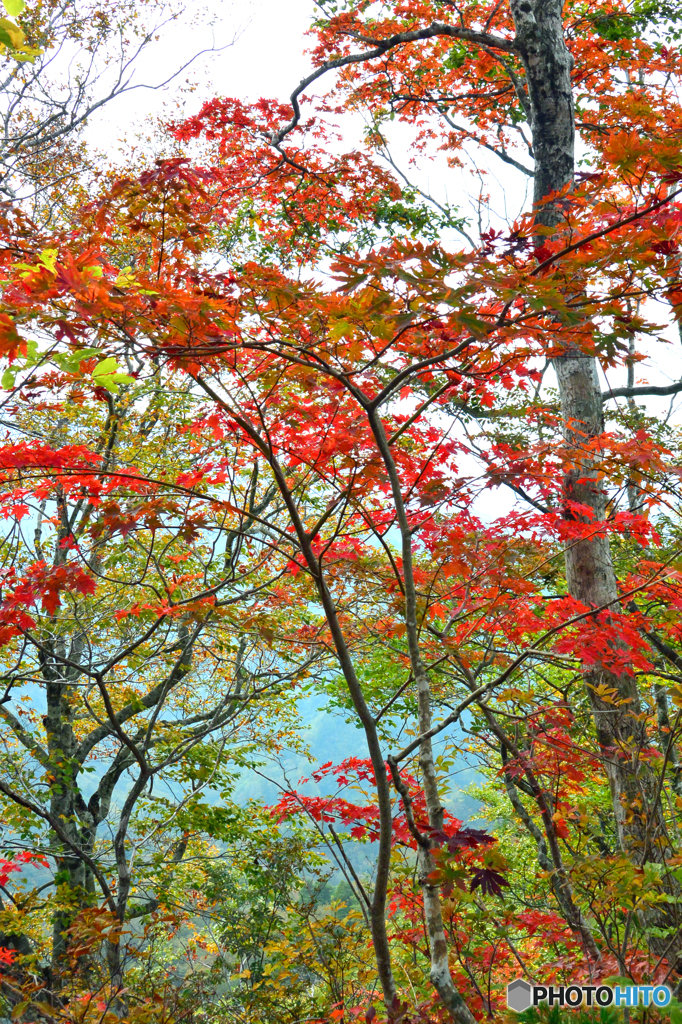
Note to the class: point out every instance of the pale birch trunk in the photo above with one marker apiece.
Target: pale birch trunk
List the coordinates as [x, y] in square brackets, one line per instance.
[439, 973]
[589, 568]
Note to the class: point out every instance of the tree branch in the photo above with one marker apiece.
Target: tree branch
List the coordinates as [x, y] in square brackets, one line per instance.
[645, 389]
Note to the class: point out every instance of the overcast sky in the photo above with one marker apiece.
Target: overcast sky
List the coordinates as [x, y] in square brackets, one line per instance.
[264, 42]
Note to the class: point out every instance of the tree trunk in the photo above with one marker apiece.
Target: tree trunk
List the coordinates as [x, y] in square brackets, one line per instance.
[589, 568]
[439, 973]
[71, 870]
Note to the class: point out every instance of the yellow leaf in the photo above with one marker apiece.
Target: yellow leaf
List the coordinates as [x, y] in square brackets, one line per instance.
[10, 34]
[48, 258]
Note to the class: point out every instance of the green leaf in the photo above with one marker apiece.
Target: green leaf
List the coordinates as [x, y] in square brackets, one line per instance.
[106, 375]
[340, 329]
[125, 278]
[32, 354]
[8, 378]
[105, 368]
[456, 57]
[13, 7]
[70, 362]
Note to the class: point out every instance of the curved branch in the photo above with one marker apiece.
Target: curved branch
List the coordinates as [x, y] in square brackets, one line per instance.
[379, 47]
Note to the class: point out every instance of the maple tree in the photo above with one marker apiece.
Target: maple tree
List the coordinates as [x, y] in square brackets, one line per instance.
[257, 412]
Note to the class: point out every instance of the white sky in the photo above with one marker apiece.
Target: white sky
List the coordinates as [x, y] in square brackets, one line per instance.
[265, 59]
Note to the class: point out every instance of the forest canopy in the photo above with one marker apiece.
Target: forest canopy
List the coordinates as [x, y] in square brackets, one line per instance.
[287, 434]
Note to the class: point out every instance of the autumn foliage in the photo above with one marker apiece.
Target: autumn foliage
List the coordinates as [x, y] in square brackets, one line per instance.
[284, 435]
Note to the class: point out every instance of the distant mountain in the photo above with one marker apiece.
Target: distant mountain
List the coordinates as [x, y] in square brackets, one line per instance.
[330, 738]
